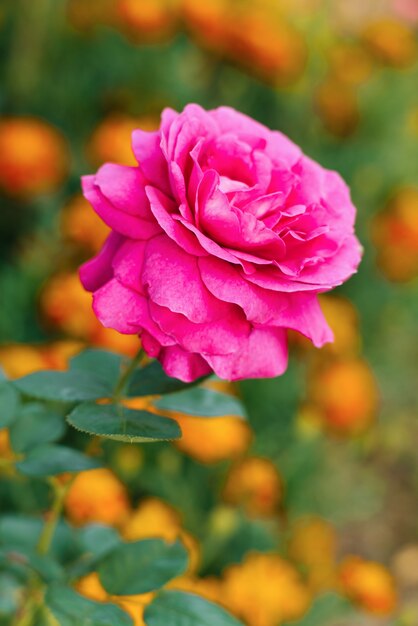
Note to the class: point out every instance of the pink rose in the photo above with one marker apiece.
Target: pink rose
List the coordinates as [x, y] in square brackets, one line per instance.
[222, 237]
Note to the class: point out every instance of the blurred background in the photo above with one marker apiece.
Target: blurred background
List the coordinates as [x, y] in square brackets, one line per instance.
[309, 514]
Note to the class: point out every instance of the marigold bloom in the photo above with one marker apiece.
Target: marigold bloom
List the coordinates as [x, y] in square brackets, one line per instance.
[33, 157]
[344, 392]
[337, 106]
[66, 306]
[111, 141]
[209, 588]
[350, 63]
[213, 439]
[395, 235]
[343, 319]
[81, 225]
[369, 584]
[265, 590]
[6, 451]
[91, 587]
[147, 20]
[255, 484]
[21, 359]
[97, 496]
[392, 42]
[312, 545]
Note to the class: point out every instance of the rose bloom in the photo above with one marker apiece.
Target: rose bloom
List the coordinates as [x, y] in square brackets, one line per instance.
[222, 238]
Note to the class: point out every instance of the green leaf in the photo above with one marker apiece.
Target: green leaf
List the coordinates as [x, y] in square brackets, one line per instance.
[50, 459]
[142, 566]
[72, 609]
[202, 402]
[9, 594]
[98, 539]
[35, 424]
[176, 608]
[103, 364]
[117, 422]
[9, 403]
[152, 380]
[325, 610]
[71, 386]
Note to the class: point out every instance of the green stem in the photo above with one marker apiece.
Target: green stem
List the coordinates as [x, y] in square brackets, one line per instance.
[124, 379]
[47, 535]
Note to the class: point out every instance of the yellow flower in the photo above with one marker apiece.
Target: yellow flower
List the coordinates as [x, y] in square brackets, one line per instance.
[209, 588]
[255, 484]
[214, 439]
[369, 584]
[155, 518]
[97, 496]
[91, 587]
[111, 141]
[148, 20]
[343, 320]
[21, 359]
[6, 451]
[395, 234]
[392, 42]
[33, 157]
[343, 392]
[81, 225]
[337, 106]
[312, 545]
[68, 307]
[265, 590]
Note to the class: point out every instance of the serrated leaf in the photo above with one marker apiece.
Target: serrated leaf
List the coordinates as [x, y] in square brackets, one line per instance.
[123, 424]
[102, 363]
[35, 425]
[142, 566]
[71, 386]
[9, 403]
[71, 609]
[49, 460]
[177, 608]
[152, 380]
[201, 402]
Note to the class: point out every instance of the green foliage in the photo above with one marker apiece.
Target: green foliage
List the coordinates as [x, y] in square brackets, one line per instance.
[202, 402]
[72, 386]
[102, 363]
[177, 608]
[9, 401]
[50, 460]
[115, 421]
[152, 380]
[70, 608]
[142, 566]
[35, 424]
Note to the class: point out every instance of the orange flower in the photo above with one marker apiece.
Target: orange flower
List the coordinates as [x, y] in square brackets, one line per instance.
[255, 484]
[91, 587]
[350, 63]
[344, 393]
[81, 225]
[33, 157]
[395, 234]
[6, 451]
[21, 359]
[337, 106]
[392, 42]
[147, 20]
[368, 584]
[111, 141]
[97, 496]
[214, 439]
[86, 15]
[68, 307]
[342, 317]
[209, 588]
[265, 590]
[155, 518]
[312, 545]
